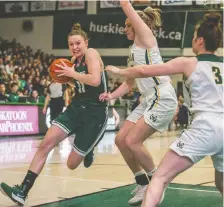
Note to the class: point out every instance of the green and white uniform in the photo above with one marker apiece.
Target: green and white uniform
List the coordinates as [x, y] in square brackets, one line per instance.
[85, 118]
[204, 137]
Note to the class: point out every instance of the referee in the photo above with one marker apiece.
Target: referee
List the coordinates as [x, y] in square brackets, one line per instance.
[57, 95]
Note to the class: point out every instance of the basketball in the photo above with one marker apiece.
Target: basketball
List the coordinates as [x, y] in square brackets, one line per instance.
[54, 75]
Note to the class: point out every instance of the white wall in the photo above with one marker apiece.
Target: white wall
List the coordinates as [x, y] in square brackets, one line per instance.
[39, 38]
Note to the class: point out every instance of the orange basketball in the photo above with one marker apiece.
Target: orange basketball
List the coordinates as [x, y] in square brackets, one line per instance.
[54, 75]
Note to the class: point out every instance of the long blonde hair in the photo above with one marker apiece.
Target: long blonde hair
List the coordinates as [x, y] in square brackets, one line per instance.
[151, 17]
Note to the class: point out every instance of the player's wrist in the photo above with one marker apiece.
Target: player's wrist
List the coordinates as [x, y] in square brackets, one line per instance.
[112, 96]
[74, 73]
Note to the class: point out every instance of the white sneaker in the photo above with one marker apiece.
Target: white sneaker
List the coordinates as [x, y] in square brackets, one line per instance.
[139, 195]
[135, 190]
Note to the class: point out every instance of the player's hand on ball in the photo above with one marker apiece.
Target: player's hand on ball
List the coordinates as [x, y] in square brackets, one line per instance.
[112, 69]
[65, 70]
[105, 97]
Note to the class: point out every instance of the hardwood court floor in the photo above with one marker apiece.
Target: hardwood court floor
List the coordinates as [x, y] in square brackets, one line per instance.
[109, 170]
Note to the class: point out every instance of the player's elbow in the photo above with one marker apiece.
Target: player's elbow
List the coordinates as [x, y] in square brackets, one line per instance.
[96, 82]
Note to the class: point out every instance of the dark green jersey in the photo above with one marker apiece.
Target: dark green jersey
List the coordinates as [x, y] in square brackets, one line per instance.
[13, 97]
[86, 94]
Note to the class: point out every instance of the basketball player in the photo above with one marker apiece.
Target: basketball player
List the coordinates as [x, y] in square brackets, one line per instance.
[204, 81]
[159, 99]
[85, 117]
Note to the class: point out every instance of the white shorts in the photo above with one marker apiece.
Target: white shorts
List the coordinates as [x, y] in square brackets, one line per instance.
[158, 107]
[204, 137]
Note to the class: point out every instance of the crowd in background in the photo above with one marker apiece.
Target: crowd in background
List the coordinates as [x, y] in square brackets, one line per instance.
[23, 72]
[24, 77]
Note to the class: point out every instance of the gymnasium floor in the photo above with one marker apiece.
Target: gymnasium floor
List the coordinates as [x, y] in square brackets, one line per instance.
[107, 183]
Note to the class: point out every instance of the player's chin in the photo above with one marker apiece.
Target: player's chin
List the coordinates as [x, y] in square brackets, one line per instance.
[77, 54]
[129, 37]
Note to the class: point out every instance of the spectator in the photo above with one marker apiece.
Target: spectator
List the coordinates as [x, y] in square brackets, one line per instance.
[40, 86]
[13, 96]
[4, 76]
[15, 78]
[20, 93]
[35, 98]
[29, 86]
[22, 82]
[182, 116]
[3, 97]
[1, 64]
[9, 67]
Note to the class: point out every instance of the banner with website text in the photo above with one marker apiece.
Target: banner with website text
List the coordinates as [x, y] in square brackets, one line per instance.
[107, 30]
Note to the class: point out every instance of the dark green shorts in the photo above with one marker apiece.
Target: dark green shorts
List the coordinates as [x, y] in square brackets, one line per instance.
[85, 126]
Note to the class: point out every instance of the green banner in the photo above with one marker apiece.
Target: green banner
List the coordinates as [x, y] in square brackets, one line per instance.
[107, 30]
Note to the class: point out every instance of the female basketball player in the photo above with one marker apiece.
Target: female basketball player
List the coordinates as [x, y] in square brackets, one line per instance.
[159, 102]
[85, 117]
[204, 81]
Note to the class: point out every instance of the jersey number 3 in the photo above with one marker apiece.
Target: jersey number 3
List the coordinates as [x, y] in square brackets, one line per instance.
[218, 76]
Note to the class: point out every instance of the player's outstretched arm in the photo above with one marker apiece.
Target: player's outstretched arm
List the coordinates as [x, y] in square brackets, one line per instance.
[175, 66]
[142, 31]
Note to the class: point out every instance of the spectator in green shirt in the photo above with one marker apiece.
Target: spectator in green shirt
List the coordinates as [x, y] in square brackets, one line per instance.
[22, 82]
[35, 98]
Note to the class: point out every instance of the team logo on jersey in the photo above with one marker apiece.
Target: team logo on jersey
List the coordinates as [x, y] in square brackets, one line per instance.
[153, 117]
[180, 145]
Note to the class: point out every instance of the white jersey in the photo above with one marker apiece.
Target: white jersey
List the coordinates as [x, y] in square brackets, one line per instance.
[205, 85]
[140, 56]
